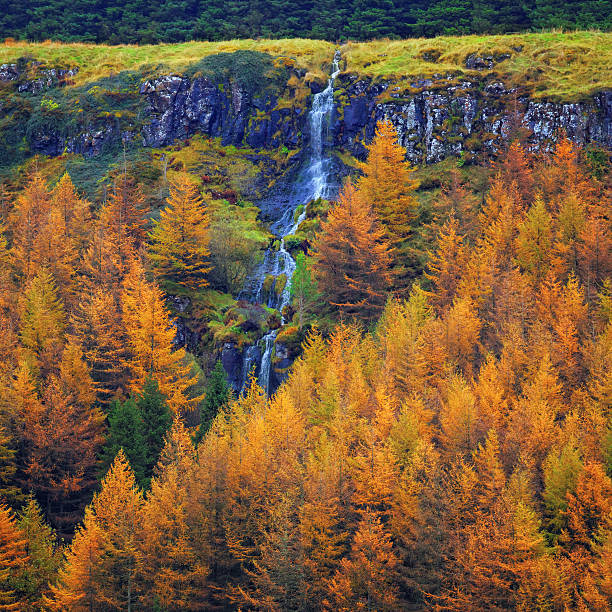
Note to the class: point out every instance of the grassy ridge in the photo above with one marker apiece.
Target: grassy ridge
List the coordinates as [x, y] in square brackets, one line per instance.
[97, 61]
[550, 64]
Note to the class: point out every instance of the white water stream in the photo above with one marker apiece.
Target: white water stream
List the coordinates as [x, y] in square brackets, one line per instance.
[313, 183]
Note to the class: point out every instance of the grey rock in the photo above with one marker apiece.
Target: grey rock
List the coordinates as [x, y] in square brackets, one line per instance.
[178, 107]
[484, 62]
[435, 123]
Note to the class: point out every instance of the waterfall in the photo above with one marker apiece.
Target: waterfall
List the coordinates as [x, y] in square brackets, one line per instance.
[313, 182]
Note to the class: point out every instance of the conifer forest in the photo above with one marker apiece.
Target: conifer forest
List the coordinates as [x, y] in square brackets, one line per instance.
[306, 307]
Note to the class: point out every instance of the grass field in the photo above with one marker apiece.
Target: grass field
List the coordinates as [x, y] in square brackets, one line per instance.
[559, 65]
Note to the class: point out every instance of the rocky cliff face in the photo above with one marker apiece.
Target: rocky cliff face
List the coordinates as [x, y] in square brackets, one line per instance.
[178, 107]
[435, 118]
[441, 117]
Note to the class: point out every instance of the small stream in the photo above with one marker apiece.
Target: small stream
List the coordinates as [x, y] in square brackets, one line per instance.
[314, 180]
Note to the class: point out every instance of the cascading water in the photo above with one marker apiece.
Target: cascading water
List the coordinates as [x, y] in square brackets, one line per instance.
[313, 182]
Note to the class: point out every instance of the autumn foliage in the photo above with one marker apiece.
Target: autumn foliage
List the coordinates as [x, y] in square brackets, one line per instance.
[443, 441]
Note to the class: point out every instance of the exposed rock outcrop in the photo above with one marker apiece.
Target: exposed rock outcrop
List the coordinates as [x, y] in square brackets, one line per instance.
[435, 117]
[444, 117]
[33, 77]
[179, 106]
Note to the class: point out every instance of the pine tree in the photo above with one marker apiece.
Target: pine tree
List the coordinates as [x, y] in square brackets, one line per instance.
[351, 259]
[157, 419]
[388, 186]
[217, 396]
[179, 241]
[9, 490]
[126, 429]
[44, 556]
[13, 558]
[100, 568]
[304, 290]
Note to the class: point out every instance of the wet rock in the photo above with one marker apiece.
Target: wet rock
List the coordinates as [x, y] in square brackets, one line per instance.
[178, 107]
[231, 358]
[8, 72]
[317, 86]
[435, 117]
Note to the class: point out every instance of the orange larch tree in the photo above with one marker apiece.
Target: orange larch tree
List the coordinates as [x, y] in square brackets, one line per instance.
[13, 559]
[351, 258]
[366, 579]
[446, 264]
[388, 185]
[179, 241]
[173, 562]
[150, 340]
[101, 563]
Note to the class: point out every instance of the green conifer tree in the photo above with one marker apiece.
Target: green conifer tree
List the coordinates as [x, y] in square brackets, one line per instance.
[8, 466]
[157, 419]
[126, 431]
[304, 290]
[217, 395]
[44, 557]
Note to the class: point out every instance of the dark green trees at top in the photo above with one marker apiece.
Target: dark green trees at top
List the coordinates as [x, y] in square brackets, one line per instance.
[137, 21]
[138, 426]
[218, 393]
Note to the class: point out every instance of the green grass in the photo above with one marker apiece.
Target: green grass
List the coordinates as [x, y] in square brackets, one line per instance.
[96, 61]
[558, 65]
[549, 64]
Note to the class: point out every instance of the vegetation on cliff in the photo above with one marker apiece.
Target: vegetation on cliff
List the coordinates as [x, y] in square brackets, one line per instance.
[555, 63]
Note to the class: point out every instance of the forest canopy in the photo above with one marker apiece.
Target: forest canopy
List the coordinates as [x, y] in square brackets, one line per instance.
[136, 21]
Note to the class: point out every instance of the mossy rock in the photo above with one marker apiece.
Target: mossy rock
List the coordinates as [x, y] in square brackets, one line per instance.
[280, 284]
[268, 284]
[298, 211]
[274, 320]
[295, 242]
[317, 208]
[291, 336]
[228, 333]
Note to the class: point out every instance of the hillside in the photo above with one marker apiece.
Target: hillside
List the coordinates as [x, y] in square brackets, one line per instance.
[296, 326]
